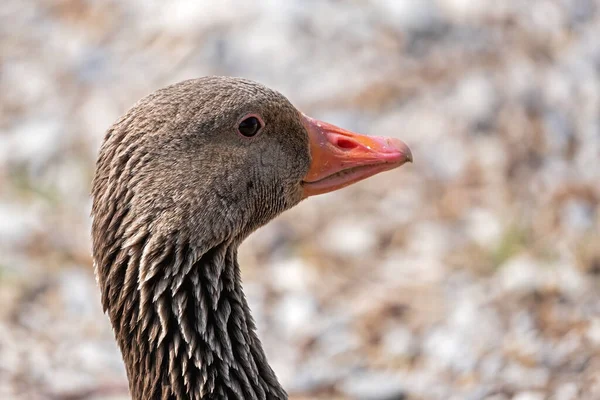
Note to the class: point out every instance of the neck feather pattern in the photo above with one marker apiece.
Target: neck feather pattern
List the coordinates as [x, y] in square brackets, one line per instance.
[182, 321]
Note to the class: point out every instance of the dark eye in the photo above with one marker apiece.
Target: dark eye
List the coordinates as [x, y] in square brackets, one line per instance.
[250, 126]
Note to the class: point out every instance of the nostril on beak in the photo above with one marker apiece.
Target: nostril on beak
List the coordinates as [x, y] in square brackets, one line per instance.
[346, 144]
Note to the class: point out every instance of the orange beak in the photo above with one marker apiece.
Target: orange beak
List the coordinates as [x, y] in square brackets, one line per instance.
[340, 158]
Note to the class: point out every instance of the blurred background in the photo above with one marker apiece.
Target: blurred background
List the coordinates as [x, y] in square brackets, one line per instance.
[471, 274]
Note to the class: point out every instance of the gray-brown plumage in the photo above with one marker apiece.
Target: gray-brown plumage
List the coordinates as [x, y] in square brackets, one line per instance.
[176, 190]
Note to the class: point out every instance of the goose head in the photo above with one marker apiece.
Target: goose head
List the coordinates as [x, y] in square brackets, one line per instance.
[181, 179]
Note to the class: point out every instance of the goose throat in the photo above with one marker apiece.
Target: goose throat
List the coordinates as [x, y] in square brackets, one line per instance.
[183, 324]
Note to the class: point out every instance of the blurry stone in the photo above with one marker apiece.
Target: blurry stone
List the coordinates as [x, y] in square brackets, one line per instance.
[547, 18]
[497, 397]
[185, 16]
[522, 378]
[469, 331]
[529, 396]
[66, 178]
[491, 365]
[521, 273]
[473, 11]
[98, 112]
[462, 9]
[558, 86]
[569, 279]
[577, 216]
[448, 158]
[101, 357]
[295, 313]
[27, 82]
[444, 349]
[566, 391]
[34, 143]
[16, 224]
[410, 15]
[428, 238]
[292, 274]
[492, 157]
[80, 295]
[484, 227]
[399, 267]
[558, 133]
[421, 124]
[475, 100]
[349, 238]
[314, 374]
[374, 386]
[565, 352]
[399, 341]
[520, 82]
[337, 340]
[593, 331]
[112, 397]
[399, 206]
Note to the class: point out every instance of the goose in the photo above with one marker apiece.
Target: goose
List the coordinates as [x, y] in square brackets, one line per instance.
[181, 180]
